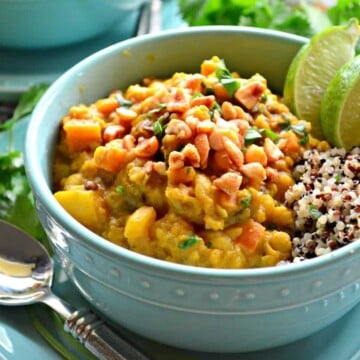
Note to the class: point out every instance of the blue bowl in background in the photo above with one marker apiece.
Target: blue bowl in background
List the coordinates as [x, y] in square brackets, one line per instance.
[194, 308]
[34, 24]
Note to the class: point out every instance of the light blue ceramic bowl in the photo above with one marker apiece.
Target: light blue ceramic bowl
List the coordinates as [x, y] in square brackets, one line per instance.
[49, 23]
[188, 307]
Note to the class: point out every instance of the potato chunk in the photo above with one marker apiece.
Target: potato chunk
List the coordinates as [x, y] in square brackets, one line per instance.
[138, 229]
[83, 205]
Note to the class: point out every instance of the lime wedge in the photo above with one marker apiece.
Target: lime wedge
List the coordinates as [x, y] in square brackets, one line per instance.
[340, 108]
[314, 66]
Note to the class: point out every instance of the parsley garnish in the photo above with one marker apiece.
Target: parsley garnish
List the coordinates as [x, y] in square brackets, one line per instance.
[189, 241]
[337, 179]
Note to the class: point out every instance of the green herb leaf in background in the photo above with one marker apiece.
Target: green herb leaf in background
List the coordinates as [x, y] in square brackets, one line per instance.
[306, 19]
[25, 106]
[16, 200]
[17, 206]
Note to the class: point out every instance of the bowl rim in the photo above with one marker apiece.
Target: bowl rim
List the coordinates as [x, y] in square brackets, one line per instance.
[90, 239]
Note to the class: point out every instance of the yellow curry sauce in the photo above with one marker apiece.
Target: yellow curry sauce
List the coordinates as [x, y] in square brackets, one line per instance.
[192, 169]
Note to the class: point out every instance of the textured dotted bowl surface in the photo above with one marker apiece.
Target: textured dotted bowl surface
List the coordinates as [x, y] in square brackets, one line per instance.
[194, 308]
[49, 23]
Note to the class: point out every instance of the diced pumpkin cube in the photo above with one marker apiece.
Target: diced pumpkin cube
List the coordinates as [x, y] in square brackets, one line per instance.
[82, 134]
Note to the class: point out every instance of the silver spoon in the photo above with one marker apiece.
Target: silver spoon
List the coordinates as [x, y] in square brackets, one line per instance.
[26, 274]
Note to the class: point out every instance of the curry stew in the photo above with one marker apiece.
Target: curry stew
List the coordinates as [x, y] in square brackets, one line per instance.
[192, 169]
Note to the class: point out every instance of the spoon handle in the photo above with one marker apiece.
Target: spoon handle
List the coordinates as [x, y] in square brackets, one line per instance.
[99, 339]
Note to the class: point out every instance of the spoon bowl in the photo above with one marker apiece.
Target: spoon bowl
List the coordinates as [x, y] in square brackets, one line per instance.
[26, 269]
[26, 273]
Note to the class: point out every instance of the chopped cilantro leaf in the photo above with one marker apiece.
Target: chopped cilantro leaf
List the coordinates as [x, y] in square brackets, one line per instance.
[189, 241]
[245, 202]
[225, 77]
[271, 134]
[120, 190]
[159, 126]
[304, 139]
[252, 135]
[299, 129]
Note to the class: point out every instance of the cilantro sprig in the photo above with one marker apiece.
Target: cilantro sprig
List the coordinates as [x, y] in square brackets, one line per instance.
[16, 200]
[302, 19]
[159, 125]
[25, 106]
[230, 83]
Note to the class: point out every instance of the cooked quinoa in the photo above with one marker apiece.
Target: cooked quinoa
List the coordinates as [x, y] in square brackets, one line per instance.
[326, 202]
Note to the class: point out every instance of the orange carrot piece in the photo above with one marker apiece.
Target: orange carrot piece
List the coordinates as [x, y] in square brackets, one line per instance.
[252, 233]
[82, 134]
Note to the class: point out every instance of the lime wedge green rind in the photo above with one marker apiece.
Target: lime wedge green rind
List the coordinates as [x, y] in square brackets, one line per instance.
[314, 67]
[340, 109]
